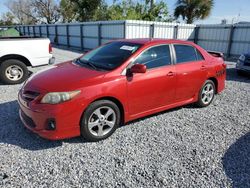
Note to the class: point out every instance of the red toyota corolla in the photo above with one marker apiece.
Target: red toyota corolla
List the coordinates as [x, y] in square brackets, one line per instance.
[116, 83]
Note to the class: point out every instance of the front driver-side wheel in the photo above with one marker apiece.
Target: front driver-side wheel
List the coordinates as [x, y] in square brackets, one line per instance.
[206, 94]
[100, 120]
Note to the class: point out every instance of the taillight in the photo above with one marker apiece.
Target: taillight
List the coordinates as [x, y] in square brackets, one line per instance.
[50, 48]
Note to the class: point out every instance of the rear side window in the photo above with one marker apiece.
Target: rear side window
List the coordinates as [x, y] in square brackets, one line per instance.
[186, 53]
[155, 57]
[199, 56]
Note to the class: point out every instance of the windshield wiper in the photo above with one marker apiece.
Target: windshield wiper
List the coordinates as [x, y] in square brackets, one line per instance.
[86, 62]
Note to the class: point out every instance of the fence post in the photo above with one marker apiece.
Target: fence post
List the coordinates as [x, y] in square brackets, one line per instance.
[152, 31]
[47, 30]
[176, 28]
[125, 29]
[67, 33]
[99, 33]
[24, 30]
[230, 41]
[34, 32]
[196, 34]
[56, 33]
[81, 36]
[28, 30]
[40, 30]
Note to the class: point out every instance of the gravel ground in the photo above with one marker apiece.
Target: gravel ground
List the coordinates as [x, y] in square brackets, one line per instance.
[183, 147]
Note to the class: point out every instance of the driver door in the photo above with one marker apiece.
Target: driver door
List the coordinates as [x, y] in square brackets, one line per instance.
[155, 88]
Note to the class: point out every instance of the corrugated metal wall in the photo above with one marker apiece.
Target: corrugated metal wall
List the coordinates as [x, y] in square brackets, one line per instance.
[229, 39]
[145, 29]
[241, 39]
[86, 35]
[214, 37]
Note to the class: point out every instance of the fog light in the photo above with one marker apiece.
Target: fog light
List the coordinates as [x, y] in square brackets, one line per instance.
[51, 125]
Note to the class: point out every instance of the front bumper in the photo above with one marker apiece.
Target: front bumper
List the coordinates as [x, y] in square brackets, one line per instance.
[36, 120]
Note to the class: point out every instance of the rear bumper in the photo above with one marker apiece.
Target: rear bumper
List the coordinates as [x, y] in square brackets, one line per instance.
[51, 61]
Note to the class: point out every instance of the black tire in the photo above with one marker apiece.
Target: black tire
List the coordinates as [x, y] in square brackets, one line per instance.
[200, 103]
[13, 62]
[85, 132]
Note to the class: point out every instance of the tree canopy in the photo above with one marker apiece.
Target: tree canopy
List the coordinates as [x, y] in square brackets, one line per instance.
[191, 10]
[66, 11]
[92, 10]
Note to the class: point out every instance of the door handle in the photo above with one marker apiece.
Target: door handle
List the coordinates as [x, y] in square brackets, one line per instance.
[170, 73]
[203, 67]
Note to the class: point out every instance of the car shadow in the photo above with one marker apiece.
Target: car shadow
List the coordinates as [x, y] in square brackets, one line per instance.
[236, 162]
[158, 113]
[14, 133]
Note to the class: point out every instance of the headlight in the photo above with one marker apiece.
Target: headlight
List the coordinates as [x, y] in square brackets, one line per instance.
[59, 97]
[242, 58]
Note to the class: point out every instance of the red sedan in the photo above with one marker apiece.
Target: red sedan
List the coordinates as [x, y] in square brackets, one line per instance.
[118, 82]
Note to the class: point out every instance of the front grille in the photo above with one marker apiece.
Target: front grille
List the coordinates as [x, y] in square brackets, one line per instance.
[28, 120]
[30, 95]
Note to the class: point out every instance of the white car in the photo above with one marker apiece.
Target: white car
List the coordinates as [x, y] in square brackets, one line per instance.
[17, 53]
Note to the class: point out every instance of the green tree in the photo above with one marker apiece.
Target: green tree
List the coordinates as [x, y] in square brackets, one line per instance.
[191, 10]
[101, 12]
[67, 11]
[124, 10]
[154, 11]
[85, 9]
[131, 10]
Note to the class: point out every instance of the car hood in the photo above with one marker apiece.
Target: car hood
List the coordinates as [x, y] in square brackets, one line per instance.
[63, 77]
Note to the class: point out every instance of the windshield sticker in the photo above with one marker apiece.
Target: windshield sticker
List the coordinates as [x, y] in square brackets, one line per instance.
[129, 48]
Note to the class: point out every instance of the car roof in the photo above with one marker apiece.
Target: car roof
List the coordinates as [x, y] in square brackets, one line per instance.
[149, 41]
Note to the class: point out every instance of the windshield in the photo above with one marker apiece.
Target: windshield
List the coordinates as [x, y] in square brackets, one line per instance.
[111, 55]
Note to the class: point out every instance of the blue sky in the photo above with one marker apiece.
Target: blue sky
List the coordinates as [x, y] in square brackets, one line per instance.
[223, 9]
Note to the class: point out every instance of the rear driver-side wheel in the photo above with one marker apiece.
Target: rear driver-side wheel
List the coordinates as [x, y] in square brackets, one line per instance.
[206, 94]
[100, 120]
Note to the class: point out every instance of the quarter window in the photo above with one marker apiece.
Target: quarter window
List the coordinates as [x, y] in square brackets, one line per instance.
[185, 53]
[155, 57]
[199, 56]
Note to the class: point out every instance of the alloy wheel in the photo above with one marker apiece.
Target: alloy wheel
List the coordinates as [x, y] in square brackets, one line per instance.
[207, 93]
[101, 121]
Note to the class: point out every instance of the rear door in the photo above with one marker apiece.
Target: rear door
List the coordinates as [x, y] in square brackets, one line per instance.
[190, 71]
[156, 87]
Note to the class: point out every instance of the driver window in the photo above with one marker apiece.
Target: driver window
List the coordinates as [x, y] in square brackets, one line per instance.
[155, 57]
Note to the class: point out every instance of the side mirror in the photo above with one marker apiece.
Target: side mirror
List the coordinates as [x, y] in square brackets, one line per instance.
[138, 68]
